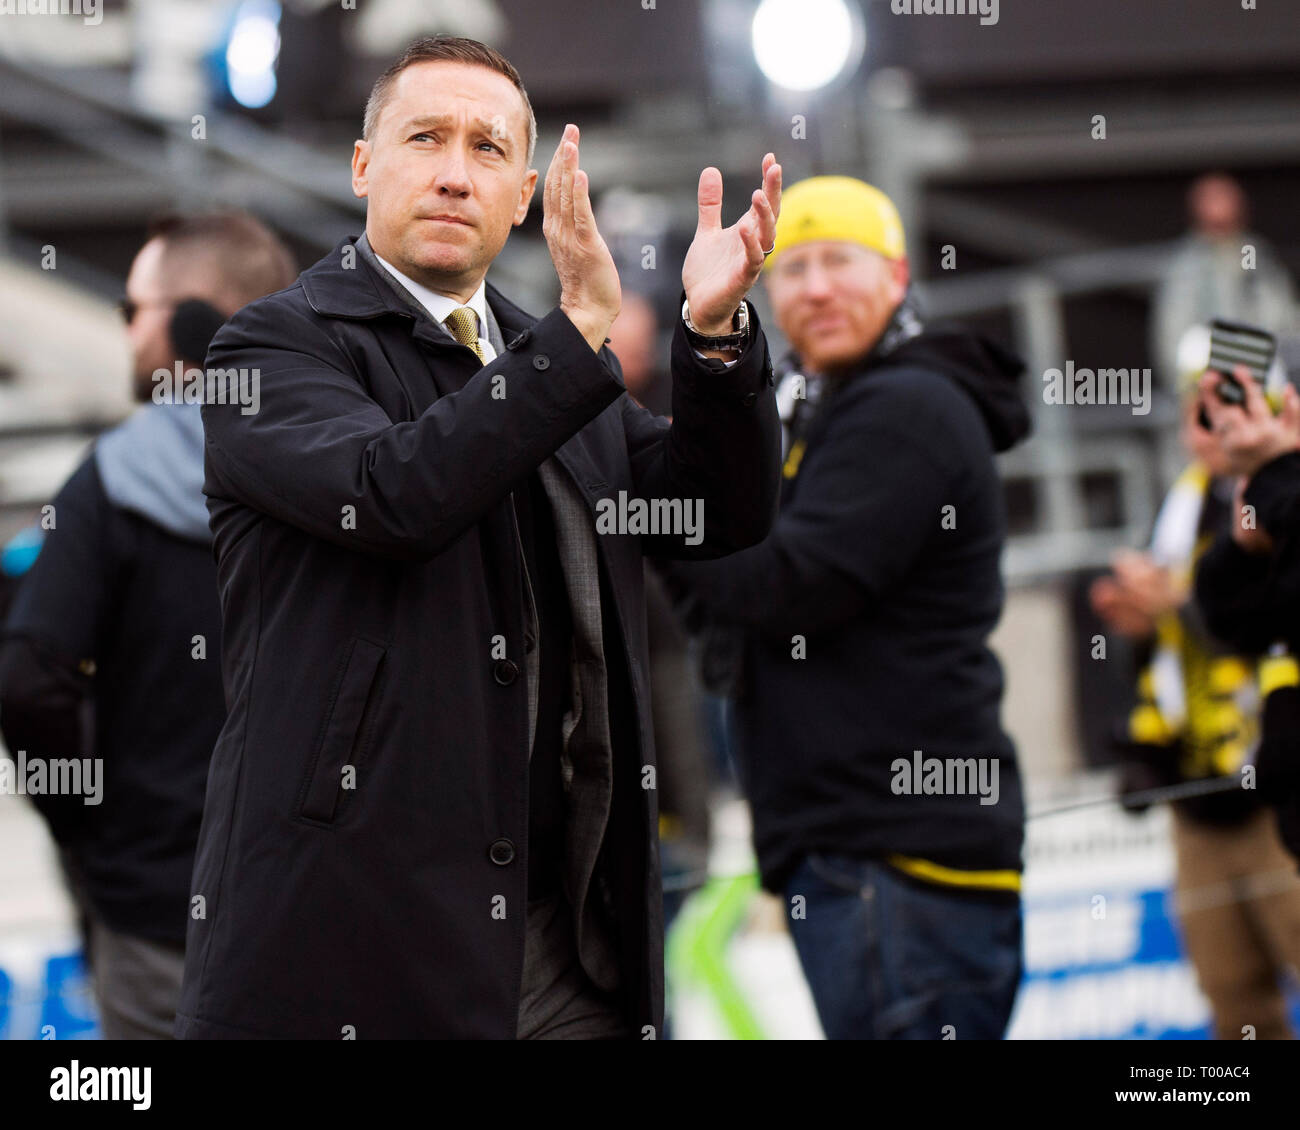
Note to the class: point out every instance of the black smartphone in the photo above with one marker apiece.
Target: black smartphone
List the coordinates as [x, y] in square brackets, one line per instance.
[1233, 344]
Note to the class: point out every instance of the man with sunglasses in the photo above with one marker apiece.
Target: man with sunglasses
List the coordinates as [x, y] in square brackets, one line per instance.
[111, 648]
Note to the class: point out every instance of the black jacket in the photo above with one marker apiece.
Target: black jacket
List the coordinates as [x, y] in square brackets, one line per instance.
[367, 558]
[1252, 601]
[101, 660]
[893, 610]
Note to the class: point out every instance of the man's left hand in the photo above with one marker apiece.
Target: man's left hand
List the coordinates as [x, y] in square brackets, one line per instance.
[722, 264]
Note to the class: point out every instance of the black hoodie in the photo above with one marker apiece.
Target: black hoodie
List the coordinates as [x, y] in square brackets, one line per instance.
[867, 611]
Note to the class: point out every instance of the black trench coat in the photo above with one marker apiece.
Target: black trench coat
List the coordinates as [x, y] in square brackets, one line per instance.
[366, 558]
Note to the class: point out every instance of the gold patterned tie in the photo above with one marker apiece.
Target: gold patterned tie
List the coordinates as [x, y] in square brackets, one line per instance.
[463, 324]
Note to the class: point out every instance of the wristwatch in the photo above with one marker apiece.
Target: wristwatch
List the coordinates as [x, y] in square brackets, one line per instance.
[736, 340]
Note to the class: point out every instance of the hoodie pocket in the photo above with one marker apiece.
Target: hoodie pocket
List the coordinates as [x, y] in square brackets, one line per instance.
[344, 735]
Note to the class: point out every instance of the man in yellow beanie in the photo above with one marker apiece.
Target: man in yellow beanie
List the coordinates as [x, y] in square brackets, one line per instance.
[886, 799]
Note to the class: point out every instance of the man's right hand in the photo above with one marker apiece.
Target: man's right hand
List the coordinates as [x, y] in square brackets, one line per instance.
[1136, 594]
[1249, 435]
[589, 288]
[1114, 605]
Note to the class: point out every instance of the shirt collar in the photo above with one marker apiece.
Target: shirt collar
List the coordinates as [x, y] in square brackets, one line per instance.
[439, 305]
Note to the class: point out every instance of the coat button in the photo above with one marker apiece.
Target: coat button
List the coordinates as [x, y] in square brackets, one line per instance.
[521, 339]
[748, 399]
[541, 361]
[505, 671]
[502, 852]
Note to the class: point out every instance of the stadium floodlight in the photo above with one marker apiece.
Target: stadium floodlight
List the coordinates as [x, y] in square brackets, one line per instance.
[252, 53]
[806, 44]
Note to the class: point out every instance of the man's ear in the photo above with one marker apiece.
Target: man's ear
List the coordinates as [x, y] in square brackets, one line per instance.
[525, 196]
[901, 276]
[360, 163]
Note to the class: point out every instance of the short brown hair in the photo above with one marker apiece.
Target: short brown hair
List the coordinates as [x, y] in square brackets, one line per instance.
[238, 256]
[446, 49]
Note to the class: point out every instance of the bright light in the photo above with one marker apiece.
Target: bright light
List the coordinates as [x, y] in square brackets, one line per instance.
[1192, 355]
[252, 52]
[805, 44]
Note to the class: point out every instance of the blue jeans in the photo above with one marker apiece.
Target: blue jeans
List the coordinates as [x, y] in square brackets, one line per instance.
[892, 958]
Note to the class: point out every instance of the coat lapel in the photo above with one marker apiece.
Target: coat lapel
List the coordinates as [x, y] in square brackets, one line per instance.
[335, 291]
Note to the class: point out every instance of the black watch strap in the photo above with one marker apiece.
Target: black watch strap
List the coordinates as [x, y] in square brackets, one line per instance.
[733, 341]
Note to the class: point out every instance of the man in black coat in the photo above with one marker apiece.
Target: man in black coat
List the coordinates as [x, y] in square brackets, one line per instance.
[886, 798]
[432, 811]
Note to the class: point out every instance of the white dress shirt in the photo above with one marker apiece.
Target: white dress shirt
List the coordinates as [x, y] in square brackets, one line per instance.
[439, 306]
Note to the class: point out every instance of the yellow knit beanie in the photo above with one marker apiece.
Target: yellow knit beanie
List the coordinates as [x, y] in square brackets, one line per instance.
[833, 207]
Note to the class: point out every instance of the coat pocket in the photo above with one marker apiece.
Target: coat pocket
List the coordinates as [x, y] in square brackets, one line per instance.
[342, 741]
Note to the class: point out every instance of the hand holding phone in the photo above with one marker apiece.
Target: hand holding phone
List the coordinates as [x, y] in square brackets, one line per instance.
[1249, 434]
[1233, 346]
